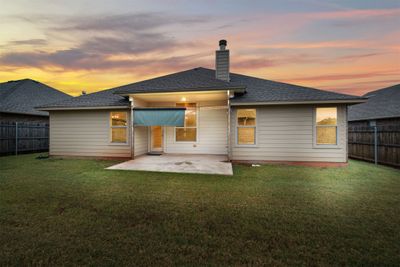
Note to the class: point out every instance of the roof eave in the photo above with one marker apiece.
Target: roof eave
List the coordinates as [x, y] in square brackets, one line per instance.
[82, 108]
[239, 89]
[347, 101]
[24, 113]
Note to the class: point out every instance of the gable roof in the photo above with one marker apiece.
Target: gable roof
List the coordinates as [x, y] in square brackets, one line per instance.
[201, 79]
[382, 103]
[22, 96]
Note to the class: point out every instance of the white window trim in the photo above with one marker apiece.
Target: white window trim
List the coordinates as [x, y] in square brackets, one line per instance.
[338, 118]
[237, 132]
[197, 127]
[110, 127]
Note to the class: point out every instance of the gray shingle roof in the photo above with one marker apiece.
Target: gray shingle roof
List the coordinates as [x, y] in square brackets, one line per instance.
[261, 90]
[23, 96]
[382, 103]
[198, 79]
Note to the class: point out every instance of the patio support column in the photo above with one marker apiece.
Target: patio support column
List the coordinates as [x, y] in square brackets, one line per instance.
[131, 100]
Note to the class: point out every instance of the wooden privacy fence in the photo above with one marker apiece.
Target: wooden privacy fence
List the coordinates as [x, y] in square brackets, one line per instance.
[23, 137]
[379, 144]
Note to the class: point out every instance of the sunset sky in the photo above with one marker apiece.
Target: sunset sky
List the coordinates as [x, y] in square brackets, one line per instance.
[345, 46]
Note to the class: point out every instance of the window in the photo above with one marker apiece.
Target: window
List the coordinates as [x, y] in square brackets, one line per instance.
[119, 127]
[326, 126]
[246, 126]
[187, 133]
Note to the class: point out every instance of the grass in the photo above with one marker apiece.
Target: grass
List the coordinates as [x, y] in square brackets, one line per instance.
[73, 212]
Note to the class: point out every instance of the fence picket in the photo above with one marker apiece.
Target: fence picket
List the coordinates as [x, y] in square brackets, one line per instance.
[23, 137]
[361, 144]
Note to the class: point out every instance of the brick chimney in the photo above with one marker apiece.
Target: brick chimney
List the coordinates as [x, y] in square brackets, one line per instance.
[222, 62]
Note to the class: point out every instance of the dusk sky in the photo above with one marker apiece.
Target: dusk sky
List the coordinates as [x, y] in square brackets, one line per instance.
[345, 46]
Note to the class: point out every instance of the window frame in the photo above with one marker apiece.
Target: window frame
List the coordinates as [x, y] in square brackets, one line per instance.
[191, 127]
[237, 126]
[315, 126]
[111, 127]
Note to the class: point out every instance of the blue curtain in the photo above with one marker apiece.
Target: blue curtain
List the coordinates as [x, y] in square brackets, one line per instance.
[161, 117]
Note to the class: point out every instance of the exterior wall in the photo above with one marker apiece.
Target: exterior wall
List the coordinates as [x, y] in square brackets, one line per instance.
[141, 140]
[85, 133]
[286, 133]
[212, 127]
[12, 117]
[141, 145]
[211, 137]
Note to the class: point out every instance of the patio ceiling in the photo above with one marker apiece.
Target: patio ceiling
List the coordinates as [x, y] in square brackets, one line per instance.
[182, 96]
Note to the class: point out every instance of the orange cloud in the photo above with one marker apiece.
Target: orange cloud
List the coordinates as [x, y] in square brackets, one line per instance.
[343, 76]
[313, 45]
[91, 53]
[355, 14]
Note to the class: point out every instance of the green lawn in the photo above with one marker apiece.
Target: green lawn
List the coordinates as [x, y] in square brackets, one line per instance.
[73, 212]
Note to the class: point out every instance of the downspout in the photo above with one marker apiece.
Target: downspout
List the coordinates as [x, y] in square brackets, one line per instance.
[131, 100]
[228, 133]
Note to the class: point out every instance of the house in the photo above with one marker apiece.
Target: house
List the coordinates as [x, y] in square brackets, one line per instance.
[374, 127]
[18, 100]
[381, 109]
[205, 111]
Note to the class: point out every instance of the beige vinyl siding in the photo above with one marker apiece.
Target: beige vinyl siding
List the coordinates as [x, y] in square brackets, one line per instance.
[141, 140]
[212, 127]
[141, 133]
[286, 133]
[85, 133]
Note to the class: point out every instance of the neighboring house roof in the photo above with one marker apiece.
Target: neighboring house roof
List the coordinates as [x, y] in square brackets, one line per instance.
[22, 96]
[202, 79]
[382, 103]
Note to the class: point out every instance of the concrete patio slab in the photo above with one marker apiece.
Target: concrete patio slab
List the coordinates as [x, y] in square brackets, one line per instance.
[206, 164]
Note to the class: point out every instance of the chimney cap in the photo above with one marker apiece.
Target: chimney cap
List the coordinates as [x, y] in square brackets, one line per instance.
[222, 42]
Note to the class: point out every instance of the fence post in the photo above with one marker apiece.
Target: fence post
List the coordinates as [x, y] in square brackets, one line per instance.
[376, 144]
[16, 138]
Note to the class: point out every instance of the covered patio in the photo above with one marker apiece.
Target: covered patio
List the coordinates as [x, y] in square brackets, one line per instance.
[179, 163]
